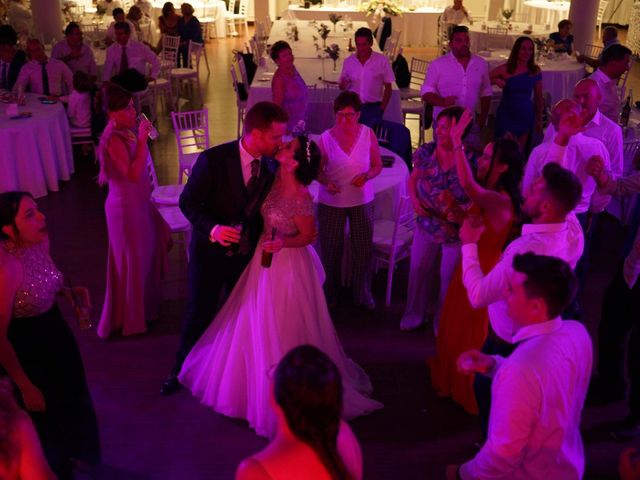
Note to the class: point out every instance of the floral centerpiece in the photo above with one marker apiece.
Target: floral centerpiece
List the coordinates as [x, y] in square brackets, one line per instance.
[333, 52]
[323, 30]
[541, 48]
[507, 13]
[379, 6]
[334, 18]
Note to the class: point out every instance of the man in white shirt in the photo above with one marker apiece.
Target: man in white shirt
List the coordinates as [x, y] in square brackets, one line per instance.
[119, 16]
[572, 150]
[369, 74]
[552, 231]
[74, 52]
[539, 391]
[455, 14]
[587, 94]
[615, 62]
[127, 53]
[49, 77]
[459, 78]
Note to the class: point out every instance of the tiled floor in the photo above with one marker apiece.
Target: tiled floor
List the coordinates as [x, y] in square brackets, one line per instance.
[147, 436]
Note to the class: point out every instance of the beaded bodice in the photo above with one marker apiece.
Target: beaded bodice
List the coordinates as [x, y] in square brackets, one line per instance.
[278, 212]
[41, 280]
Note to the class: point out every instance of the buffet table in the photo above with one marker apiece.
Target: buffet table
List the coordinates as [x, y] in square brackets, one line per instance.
[36, 151]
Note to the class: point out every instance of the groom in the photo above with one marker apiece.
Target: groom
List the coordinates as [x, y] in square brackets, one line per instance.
[226, 188]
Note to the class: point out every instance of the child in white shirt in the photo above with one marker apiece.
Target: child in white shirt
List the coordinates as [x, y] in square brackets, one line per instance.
[79, 101]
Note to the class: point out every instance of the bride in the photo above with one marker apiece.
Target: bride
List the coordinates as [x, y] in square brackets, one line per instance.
[273, 309]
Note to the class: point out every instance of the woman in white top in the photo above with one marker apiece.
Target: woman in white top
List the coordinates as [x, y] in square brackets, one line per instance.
[350, 159]
[312, 442]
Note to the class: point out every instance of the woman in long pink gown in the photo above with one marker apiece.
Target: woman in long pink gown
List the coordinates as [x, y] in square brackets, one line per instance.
[138, 235]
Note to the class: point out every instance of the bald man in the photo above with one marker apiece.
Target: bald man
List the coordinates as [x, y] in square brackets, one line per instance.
[572, 150]
[587, 94]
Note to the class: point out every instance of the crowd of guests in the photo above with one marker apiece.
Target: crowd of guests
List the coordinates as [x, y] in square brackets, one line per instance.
[498, 256]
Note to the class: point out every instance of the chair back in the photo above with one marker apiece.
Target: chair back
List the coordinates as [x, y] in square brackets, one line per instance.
[191, 130]
[382, 134]
[496, 38]
[243, 71]
[601, 8]
[170, 42]
[629, 152]
[195, 55]
[231, 8]
[622, 81]
[418, 69]
[151, 171]
[404, 217]
[268, 24]
[592, 51]
[234, 78]
[242, 8]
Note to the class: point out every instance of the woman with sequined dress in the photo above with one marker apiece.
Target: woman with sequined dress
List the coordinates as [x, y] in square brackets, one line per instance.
[273, 309]
[37, 349]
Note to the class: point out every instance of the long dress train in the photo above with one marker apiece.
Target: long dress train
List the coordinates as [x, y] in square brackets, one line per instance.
[270, 311]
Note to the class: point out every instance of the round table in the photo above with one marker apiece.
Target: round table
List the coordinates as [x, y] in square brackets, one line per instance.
[559, 76]
[36, 151]
[554, 11]
[388, 187]
[478, 33]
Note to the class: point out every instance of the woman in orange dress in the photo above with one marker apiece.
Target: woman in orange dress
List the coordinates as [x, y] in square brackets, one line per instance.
[496, 194]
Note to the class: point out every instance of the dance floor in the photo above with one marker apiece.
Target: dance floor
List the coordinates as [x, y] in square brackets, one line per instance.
[146, 436]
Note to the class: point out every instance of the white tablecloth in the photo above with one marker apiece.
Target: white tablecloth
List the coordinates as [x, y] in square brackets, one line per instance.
[203, 9]
[542, 11]
[478, 35]
[558, 76]
[388, 187]
[36, 152]
[314, 71]
[418, 27]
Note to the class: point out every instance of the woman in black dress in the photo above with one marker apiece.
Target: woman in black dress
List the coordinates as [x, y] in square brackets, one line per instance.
[37, 349]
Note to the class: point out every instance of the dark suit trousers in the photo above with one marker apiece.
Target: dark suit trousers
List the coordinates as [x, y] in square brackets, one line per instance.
[620, 319]
[493, 345]
[210, 271]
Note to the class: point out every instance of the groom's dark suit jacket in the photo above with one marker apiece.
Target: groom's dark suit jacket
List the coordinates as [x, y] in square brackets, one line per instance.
[215, 194]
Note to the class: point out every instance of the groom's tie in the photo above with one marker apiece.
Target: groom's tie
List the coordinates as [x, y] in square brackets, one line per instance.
[252, 185]
[252, 191]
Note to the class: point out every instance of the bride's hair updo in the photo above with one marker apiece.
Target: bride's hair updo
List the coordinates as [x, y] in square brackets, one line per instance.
[308, 389]
[308, 157]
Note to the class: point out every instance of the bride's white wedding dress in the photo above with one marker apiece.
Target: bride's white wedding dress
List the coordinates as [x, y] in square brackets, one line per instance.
[270, 311]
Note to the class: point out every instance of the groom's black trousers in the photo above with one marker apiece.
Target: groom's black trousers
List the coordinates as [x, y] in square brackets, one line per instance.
[210, 272]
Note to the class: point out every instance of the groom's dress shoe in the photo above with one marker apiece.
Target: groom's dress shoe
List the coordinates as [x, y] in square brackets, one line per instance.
[170, 386]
